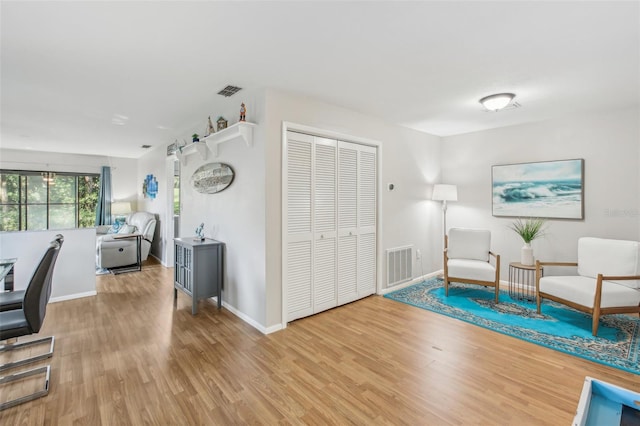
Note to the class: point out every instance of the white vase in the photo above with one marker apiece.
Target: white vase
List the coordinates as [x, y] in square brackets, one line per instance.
[526, 255]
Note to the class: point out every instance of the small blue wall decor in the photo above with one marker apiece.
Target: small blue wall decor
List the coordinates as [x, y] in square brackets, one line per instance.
[150, 187]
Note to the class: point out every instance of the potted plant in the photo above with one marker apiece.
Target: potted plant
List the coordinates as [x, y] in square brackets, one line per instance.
[529, 230]
[195, 137]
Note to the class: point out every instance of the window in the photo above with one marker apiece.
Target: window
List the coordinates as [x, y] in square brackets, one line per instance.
[31, 200]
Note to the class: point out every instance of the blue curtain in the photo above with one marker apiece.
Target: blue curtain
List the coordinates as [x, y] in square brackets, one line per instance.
[103, 208]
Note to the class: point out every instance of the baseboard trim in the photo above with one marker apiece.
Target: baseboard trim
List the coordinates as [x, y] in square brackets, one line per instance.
[73, 296]
[244, 317]
[412, 282]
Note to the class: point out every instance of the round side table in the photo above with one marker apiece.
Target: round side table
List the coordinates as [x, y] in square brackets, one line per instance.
[522, 282]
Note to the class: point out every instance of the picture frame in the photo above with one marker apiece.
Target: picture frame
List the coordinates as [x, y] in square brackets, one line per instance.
[543, 189]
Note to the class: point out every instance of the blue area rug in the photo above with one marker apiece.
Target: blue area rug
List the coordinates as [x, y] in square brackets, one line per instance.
[557, 327]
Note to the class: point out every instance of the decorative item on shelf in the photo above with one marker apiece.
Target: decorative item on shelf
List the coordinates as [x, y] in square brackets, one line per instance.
[243, 112]
[150, 187]
[199, 233]
[210, 129]
[212, 178]
[222, 123]
[195, 137]
[172, 148]
[528, 229]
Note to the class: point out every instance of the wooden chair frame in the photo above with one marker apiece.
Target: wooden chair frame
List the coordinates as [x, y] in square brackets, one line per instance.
[447, 278]
[596, 311]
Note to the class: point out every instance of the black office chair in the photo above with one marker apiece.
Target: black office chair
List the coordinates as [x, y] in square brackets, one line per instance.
[11, 300]
[28, 320]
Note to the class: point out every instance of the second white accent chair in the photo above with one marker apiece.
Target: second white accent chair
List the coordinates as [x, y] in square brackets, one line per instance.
[607, 279]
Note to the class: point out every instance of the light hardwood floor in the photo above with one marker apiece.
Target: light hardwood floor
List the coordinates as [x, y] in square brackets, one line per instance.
[130, 356]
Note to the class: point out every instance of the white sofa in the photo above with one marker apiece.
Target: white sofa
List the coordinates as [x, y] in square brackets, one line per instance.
[112, 252]
[607, 280]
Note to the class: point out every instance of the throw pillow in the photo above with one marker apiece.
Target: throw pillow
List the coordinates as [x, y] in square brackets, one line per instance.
[127, 229]
[115, 228]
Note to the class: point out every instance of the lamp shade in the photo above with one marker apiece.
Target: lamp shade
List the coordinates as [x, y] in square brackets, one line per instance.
[120, 208]
[497, 102]
[442, 192]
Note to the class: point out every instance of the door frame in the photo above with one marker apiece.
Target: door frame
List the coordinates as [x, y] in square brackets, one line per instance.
[169, 249]
[323, 133]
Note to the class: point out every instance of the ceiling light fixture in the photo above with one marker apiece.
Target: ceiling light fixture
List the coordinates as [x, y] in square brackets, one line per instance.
[48, 177]
[497, 102]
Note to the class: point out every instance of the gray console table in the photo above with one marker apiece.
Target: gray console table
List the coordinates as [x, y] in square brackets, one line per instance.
[198, 269]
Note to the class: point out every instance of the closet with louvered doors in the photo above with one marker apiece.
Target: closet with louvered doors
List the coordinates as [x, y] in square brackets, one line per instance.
[330, 204]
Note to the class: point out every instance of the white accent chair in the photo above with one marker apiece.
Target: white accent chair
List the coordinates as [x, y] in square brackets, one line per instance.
[113, 252]
[467, 255]
[607, 280]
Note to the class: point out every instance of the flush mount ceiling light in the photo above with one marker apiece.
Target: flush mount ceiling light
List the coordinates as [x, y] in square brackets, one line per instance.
[497, 102]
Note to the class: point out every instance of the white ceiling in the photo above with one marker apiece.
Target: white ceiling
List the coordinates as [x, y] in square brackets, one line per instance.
[69, 70]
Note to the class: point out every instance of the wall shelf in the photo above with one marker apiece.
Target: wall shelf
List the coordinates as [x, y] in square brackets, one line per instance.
[199, 148]
[242, 130]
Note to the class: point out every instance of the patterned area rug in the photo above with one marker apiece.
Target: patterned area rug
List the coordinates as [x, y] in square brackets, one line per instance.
[557, 327]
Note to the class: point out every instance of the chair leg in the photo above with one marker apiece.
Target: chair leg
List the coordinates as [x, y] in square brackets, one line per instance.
[497, 294]
[16, 346]
[596, 322]
[446, 287]
[19, 376]
[538, 302]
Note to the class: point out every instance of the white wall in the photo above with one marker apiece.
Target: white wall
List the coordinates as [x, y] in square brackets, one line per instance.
[74, 274]
[409, 159]
[608, 142]
[154, 162]
[235, 216]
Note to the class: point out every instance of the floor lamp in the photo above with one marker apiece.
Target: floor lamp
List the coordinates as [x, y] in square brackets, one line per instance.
[444, 193]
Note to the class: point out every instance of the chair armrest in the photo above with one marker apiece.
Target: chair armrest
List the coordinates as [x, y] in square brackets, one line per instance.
[556, 263]
[497, 266]
[102, 229]
[618, 278]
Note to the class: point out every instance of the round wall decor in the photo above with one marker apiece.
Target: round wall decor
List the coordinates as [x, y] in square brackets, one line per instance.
[212, 178]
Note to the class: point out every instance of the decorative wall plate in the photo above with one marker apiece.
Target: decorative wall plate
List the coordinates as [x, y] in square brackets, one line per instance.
[212, 178]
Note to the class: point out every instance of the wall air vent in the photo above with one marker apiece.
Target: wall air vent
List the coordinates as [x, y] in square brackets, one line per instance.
[399, 265]
[229, 91]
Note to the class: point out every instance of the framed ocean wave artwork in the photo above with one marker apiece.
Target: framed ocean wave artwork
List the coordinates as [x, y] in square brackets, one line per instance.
[545, 189]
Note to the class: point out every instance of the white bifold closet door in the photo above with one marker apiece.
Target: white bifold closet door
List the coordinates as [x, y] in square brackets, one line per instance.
[330, 238]
[356, 221]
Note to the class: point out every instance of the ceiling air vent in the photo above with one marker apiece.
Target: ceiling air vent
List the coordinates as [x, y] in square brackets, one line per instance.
[229, 91]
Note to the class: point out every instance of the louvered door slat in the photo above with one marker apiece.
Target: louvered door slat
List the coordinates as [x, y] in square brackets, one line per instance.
[367, 264]
[347, 269]
[299, 290]
[367, 186]
[298, 187]
[324, 277]
[325, 187]
[347, 187]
